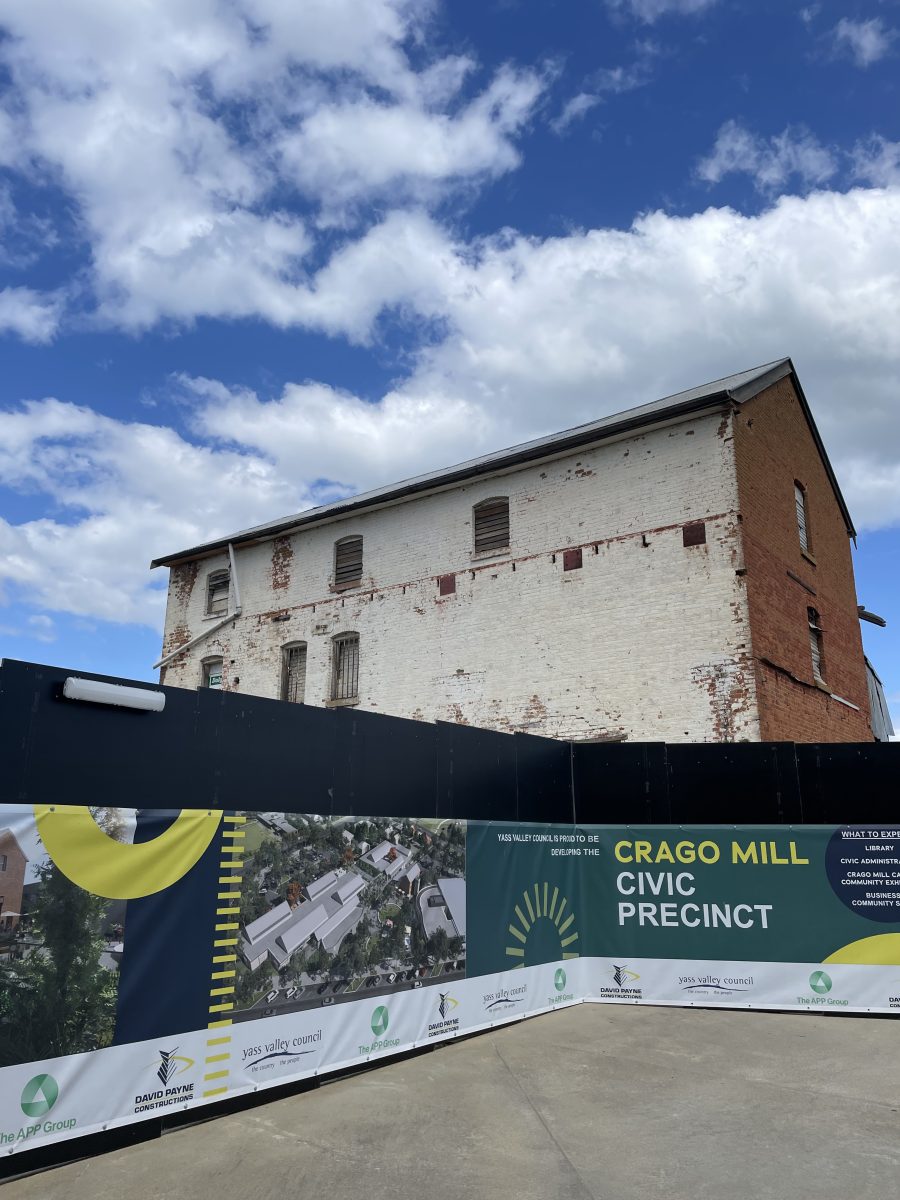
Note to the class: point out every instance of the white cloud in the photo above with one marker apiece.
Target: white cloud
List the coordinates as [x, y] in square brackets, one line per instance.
[359, 149]
[771, 162]
[173, 124]
[574, 109]
[651, 10]
[537, 335]
[864, 41]
[877, 161]
[33, 316]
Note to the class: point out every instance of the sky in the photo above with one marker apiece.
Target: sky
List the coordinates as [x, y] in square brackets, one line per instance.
[257, 255]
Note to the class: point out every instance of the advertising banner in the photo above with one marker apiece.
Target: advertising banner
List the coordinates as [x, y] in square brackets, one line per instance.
[152, 962]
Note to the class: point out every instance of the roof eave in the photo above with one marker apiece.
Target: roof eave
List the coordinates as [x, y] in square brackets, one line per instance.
[503, 461]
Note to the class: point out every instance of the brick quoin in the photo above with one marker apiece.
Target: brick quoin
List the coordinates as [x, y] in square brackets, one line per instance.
[774, 447]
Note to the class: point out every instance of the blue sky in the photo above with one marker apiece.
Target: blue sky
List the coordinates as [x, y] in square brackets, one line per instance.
[256, 254]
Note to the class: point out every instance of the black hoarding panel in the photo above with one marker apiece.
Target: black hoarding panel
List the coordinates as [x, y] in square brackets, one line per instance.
[619, 782]
[77, 752]
[383, 765]
[543, 779]
[476, 773]
[850, 783]
[710, 783]
[264, 755]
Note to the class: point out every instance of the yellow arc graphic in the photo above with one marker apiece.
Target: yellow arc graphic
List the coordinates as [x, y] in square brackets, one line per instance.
[881, 949]
[118, 871]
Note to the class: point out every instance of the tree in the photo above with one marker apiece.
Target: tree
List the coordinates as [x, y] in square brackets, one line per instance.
[439, 944]
[60, 1000]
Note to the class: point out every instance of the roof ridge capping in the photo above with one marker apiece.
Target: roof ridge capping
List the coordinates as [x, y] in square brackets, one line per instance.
[740, 387]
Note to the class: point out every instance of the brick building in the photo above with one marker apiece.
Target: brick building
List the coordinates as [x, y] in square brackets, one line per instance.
[12, 879]
[677, 572]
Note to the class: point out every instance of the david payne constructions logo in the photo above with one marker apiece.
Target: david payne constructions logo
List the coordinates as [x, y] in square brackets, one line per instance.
[820, 984]
[379, 1022]
[167, 1068]
[445, 1023]
[559, 983]
[38, 1098]
[621, 985]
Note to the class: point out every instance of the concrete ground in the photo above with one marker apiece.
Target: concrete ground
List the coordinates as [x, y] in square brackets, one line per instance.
[623, 1103]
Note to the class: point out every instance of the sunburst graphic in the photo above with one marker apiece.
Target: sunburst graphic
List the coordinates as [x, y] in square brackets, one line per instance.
[539, 903]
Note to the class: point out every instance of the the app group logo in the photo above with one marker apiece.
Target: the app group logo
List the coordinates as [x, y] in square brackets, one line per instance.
[379, 1022]
[820, 984]
[504, 998]
[446, 1022]
[559, 984]
[39, 1095]
[621, 985]
[38, 1098]
[168, 1067]
[715, 985]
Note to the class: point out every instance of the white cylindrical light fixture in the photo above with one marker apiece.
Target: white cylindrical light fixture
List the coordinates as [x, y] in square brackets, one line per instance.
[96, 692]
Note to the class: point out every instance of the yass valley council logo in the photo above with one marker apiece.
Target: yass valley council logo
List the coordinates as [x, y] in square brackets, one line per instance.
[271, 1057]
[504, 998]
[379, 1023]
[38, 1098]
[559, 985]
[445, 1022]
[169, 1068]
[621, 985]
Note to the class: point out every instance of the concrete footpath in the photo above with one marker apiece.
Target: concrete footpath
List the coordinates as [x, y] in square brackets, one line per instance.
[622, 1103]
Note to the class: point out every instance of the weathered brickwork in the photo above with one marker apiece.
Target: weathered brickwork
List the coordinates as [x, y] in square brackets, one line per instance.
[774, 448]
[649, 639]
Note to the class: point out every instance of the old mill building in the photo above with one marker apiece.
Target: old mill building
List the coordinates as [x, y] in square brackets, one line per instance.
[677, 572]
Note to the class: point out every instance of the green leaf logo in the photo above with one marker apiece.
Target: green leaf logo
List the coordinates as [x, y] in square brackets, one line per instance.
[559, 979]
[39, 1095]
[380, 1021]
[820, 982]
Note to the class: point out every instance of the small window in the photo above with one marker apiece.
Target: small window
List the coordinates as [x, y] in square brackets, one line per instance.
[348, 562]
[3, 862]
[345, 667]
[802, 515]
[815, 645]
[490, 520]
[293, 674]
[218, 592]
[212, 673]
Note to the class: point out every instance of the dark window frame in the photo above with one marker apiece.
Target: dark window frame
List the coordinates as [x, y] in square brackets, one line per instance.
[491, 526]
[218, 589]
[345, 668]
[289, 686]
[347, 566]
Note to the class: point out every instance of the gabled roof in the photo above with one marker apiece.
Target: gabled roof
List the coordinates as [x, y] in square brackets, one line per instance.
[732, 388]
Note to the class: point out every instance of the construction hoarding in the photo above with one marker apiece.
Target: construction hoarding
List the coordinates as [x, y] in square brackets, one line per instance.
[151, 962]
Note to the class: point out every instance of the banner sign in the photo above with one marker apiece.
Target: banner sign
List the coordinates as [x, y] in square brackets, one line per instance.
[152, 962]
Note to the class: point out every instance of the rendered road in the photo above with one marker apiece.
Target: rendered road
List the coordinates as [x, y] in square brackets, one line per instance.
[597, 1101]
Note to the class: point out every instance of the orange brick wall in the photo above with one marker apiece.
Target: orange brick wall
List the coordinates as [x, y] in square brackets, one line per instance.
[12, 878]
[773, 448]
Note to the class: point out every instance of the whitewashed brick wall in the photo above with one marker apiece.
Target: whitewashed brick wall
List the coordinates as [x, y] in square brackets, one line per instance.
[646, 640]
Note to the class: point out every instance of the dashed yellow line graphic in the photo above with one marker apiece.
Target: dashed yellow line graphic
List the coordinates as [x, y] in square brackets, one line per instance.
[224, 957]
[541, 904]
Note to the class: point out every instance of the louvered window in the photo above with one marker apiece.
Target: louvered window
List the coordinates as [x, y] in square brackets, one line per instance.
[293, 675]
[490, 519]
[348, 562]
[815, 645]
[218, 591]
[802, 515]
[345, 667]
